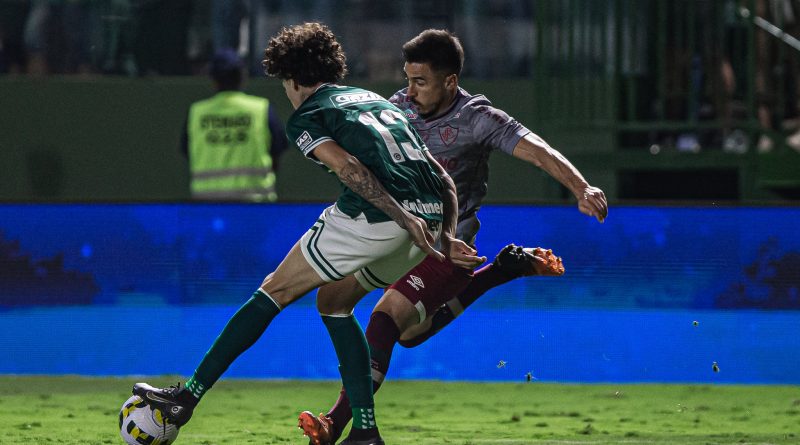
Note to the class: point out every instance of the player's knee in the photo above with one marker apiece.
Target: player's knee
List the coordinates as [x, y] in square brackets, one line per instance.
[279, 292]
[278, 296]
[332, 306]
[416, 334]
[410, 343]
[339, 297]
[399, 308]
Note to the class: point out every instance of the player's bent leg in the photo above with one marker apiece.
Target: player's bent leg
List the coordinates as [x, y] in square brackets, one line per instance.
[293, 278]
[430, 284]
[420, 333]
[354, 366]
[415, 331]
[402, 306]
[335, 298]
[338, 297]
[379, 254]
[408, 302]
[177, 403]
[393, 312]
[511, 262]
[353, 353]
[398, 308]
[381, 334]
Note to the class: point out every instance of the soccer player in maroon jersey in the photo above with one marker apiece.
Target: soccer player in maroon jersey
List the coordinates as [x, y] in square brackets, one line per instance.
[396, 202]
[460, 130]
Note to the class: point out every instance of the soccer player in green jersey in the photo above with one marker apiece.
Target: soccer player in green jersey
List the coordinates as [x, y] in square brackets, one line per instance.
[395, 202]
[461, 130]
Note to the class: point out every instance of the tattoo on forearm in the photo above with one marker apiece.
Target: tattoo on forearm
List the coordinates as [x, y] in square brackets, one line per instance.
[363, 182]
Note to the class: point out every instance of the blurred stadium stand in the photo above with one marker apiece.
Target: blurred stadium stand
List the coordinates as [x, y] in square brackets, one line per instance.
[652, 100]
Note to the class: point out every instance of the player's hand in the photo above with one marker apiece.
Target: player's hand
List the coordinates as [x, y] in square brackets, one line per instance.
[421, 236]
[592, 202]
[460, 253]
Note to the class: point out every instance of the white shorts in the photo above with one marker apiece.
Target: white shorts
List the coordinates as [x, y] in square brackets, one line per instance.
[377, 254]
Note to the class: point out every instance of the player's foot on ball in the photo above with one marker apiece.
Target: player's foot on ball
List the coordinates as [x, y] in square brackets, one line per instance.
[524, 261]
[175, 403]
[319, 429]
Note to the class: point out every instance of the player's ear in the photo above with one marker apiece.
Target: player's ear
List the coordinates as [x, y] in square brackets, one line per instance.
[451, 81]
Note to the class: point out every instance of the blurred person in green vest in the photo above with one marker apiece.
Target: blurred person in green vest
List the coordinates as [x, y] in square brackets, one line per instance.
[232, 139]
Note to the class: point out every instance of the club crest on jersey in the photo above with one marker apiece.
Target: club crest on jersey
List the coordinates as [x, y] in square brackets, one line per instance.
[448, 134]
[410, 114]
[415, 282]
[303, 141]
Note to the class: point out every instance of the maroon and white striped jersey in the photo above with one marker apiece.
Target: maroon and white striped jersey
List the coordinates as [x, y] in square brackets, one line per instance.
[461, 140]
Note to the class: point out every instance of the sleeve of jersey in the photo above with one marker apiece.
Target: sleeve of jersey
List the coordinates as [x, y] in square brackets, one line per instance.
[495, 128]
[308, 131]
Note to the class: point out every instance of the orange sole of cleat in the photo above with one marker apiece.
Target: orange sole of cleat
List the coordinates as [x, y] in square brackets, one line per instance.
[306, 423]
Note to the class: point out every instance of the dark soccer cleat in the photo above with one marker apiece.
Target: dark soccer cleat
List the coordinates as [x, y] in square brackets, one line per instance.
[319, 429]
[174, 402]
[521, 261]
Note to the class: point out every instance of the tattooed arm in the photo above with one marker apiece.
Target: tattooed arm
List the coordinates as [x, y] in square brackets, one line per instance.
[359, 179]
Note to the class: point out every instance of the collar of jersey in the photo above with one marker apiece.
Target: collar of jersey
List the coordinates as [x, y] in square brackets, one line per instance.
[315, 92]
[324, 85]
[456, 99]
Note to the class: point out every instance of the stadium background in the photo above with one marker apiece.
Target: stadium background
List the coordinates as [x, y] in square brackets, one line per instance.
[99, 243]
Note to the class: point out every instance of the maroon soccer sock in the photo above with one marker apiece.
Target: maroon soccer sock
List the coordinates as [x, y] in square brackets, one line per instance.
[340, 413]
[486, 278]
[382, 334]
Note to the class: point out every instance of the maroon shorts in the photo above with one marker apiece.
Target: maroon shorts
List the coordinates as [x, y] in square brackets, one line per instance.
[431, 284]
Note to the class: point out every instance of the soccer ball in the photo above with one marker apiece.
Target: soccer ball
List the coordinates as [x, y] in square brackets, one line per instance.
[141, 425]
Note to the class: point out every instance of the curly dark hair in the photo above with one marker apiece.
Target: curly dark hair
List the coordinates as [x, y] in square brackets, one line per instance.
[307, 53]
[438, 47]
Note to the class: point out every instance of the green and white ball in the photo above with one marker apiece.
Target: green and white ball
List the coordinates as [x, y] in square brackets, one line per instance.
[141, 425]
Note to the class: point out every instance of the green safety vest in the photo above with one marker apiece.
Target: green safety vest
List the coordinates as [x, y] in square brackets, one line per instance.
[228, 156]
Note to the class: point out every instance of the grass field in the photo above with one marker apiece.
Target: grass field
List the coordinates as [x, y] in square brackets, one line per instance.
[77, 410]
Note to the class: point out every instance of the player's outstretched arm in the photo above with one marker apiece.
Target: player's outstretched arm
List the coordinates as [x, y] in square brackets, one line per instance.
[591, 200]
[357, 176]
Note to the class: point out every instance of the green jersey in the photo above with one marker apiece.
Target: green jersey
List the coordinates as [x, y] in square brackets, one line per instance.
[374, 131]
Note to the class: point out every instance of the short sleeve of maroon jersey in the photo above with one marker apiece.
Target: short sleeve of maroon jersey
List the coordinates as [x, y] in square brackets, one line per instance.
[495, 128]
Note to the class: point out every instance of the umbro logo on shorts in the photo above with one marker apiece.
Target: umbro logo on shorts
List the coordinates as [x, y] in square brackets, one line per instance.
[415, 282]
